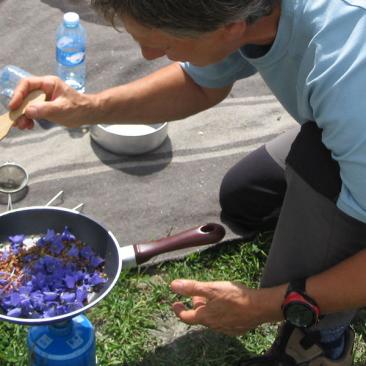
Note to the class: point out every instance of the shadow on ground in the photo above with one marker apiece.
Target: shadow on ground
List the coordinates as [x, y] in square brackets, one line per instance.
[200, 348]
[82, 7]
[138, 165]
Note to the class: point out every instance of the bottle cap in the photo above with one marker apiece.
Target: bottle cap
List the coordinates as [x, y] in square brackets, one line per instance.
[71, 19]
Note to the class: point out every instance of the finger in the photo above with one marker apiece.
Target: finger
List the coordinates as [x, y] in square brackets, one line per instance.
[47, 84]
[44, 110]
[37, 111]
[193, 288]
[24, 87]
[24, 123]
[187, 316]
[198, 301]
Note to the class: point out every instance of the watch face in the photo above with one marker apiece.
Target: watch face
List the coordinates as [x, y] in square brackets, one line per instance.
[300, 315]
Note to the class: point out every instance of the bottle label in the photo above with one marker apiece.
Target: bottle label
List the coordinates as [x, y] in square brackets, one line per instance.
[69, 53]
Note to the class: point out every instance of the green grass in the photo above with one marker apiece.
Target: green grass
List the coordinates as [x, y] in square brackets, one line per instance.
[135, 326]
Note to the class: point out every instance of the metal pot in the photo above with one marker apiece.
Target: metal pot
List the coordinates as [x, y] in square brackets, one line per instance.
[129, 139]
[36, 220]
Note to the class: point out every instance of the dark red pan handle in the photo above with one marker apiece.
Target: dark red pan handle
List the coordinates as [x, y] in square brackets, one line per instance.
[198, 236]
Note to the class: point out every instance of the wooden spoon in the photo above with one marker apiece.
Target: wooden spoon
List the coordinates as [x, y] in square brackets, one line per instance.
[8, 119]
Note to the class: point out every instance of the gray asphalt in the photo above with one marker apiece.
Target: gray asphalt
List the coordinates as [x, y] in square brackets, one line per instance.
[138, 198]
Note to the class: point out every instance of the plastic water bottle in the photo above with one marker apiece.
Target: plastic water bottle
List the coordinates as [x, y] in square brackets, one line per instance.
[10, 76]
[70, 51]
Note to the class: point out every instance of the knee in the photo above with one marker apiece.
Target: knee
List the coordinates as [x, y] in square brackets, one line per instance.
[230, 194]
[252, 191]
[235, 199]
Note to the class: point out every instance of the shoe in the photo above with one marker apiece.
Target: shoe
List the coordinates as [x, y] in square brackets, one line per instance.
[293, 347]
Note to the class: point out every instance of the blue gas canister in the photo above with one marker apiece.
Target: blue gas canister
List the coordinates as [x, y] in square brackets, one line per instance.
[70, 343]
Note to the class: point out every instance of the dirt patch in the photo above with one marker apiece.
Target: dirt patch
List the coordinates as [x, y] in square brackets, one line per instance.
[180, 344]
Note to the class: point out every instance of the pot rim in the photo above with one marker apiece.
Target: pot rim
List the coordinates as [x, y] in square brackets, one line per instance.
[99, 297]
[104, 128]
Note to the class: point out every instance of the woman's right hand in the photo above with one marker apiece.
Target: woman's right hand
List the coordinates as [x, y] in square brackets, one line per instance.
[63, 105]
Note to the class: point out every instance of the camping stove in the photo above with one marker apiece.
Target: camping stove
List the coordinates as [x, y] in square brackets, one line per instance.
[71, 343]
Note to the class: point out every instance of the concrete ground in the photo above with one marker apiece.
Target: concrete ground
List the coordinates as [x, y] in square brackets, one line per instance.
[137, 198]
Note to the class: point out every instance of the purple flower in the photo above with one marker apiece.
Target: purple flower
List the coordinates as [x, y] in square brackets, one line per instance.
[26, 306]
[51, 264]
[28, 258]
[50, 312]
[16, 239]
[35, 315]
[52, 284]
[16, 243]
[5, 254]
[26, 288]
[14, 299]
[37, 301]
[67, 236]
[80, 275]
[81, 293]
[16, 312]
[86, 252]
[74, 251]
[50, 296]
[48, 238]
[61, 310]
[74, 306]
[96, 261]
[96, 279]
[3, 282]
[5, 302]
[67, 297]
[70, 281]
[39, 280]
[57, 246]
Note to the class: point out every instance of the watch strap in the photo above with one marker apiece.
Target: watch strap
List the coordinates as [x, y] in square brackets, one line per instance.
[296, 294]
[297, 285]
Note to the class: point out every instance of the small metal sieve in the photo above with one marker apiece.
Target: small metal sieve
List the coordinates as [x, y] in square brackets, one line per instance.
[13, 183]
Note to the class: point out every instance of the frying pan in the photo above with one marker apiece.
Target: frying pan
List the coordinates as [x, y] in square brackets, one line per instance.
[37, 219]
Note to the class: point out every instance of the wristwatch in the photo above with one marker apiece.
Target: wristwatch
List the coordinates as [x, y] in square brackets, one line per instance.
[298, 308]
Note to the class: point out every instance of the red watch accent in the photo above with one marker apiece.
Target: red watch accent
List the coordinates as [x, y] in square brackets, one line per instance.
[298, 308]
[301, 298]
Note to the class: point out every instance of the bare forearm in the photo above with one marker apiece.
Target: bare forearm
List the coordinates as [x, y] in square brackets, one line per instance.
[233, 308]
[340, 288]
[166, 95]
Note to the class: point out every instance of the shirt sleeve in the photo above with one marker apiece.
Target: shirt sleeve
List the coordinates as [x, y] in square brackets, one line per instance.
[337, 91]
[221, 74]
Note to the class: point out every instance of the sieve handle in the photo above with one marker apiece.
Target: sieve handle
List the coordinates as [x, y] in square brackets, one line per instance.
[10, 203]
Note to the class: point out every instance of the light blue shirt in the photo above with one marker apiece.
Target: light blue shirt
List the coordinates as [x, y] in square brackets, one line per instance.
[316, 68]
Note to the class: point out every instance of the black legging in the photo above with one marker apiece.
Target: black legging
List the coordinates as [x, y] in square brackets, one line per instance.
[252, 192]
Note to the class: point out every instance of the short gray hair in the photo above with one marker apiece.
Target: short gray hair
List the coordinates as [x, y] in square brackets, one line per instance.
[185, 17]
